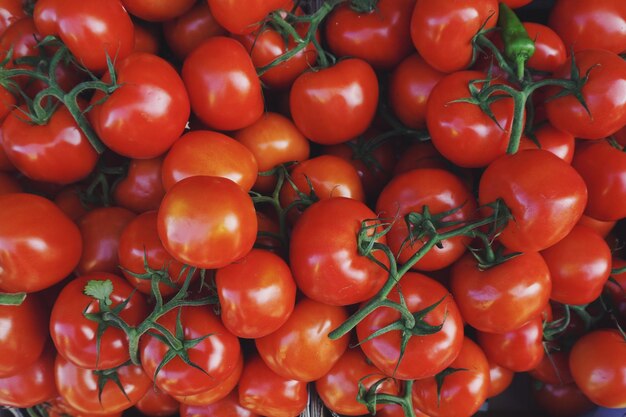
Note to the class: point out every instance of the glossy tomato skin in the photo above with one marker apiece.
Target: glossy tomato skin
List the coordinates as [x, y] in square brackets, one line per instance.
[500, 379]
[550, 51]
[217, 354]
[91, 29]
[156, 403]
[553, 369]
[437, 28]
[462, 392]
[301, 349]
[189, 30]
[598, 364]
[147, 113]
[142, 189]
[435, 351]
[333, 271]
[381, 36]
[10, 12]
[226, 407]
[607, 112]
[207, 222]
[553, 140]
[335, 104]
[264, 392]
[243, 17]
[7, 104]
[75, 336]
[219, 76]
[491, 304]
[561, 400]
[157, 11]
[257, 294]
[441, 191]
[39, 246]
[590, 25]
[543, 212]
[203, 152]
[32, 385]
[79, 388]
[56, 152]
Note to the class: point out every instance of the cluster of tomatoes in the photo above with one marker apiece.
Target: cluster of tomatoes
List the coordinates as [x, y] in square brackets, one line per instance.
[223, 208]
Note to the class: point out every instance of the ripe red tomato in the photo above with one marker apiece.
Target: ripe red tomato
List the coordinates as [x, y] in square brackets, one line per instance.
[39, 246]
[301, 349]
[333, 271]
[146, 39]
[500, 379]
[553, 140]
[462, 392]
[420, 155]
[10, 12]
[156, 403]
[561, 400]
[227, 407]
[601, 227]
[335, 104]
[189, 30]
[264, 392]
[219, 76]
[553, 369]
[550, 51]
[32, 385]
[208, 222]
[435, 351]
[492, 304]
[70, 203]
[202, 152]
[543, 212]
[7, 104]
[142, 189]
[157, 11]
[21, 40]
[442, 32]
[241, 17]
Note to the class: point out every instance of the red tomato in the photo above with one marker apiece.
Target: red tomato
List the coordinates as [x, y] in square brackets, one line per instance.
[241, 17]
[21, 40]
[7, 103]
[157, 11]
[440, 191]
[543, 212]
[551, 139]
[264, 392]
[561, 400]
[301, 349]
[335, 104]
[273, 140]
[394, 410]
[333, 271]
[435, 351]
[32, 385]
[147, 113]
[209, 153]
[492, 304]
[553, 369]
[500, 379]
[101, 229]
[91, 29]
[70, 203]
[601, 227]
[381, 36]
[79, 388]
[58, 407]
[208, 222]
[156, 403]
[189, 30]
[227, 407]
[442, 32]
[420, 155]
[142, 189]
[39, 246]
[340, 386]
[8, 184]
[146, 39]
[607, 112]
[550, 52]
[516, 3]
[10, 12]
[462, 392]
[220, 77]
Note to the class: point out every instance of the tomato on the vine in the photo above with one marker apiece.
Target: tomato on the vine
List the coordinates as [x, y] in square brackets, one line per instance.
[32, 385]
[189, 30]
[243, 16]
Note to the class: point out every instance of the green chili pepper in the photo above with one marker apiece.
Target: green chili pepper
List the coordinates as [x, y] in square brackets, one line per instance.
[518, 46]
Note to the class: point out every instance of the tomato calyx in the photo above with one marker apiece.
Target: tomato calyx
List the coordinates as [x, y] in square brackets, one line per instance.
[161, 276]
[371, 397]
[105, 375]
[101, 184]
[363, 6]
[12, 299]
[441, 377]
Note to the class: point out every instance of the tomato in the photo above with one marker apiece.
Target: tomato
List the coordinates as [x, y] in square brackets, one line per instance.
[381, 36]
[333, 271]
[553, 369]
[8, 184]
[617, 290]
[7, 103]
[491, 304]
[184, 33]
[21, 40]
[543, 212]
[227, 407]
[591, 25]
[58, 407]
[101, 229]
[156, 403]
[552, 140]
[500, 379]
[335, 104]
[515, 3]
[147, 113]
[157, 11]
[39, 246]
[340, 386]
[55, 152]
[561, 400]
[438, 28]
[208, 222]
[425, 355]
[209, 153]
[273, 140]
[409, 88]
[223, 87]
[216, 355]
[420, 155]
[601, 227]
[10, 12]
[33, 384]
[440, 191]
[300, 349]
[607, 112]
[142, 189]
[603, 168]
[550, 51]
[264, 392]
[70, 203]
[598, 364]
[394, 410]
[462, 392]
[268, 224]
[91, 29]
[146, 39]
[79, 388]
[241, 17]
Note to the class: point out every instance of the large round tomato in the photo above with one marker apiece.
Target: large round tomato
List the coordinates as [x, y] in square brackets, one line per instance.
[39, 245]
[425, 355]
[244, 16]
[188, 31]
[208, 222]
[157, 11]
[10, 12]
[156, 403]
[551, 139]
[142, 189]
[550, 51]
[32, 385]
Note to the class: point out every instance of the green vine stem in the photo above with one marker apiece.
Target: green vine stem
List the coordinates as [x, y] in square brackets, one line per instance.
[370, 397]
[12, 299]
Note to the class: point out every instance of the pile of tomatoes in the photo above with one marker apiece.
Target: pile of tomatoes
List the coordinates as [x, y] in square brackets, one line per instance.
[228, 208]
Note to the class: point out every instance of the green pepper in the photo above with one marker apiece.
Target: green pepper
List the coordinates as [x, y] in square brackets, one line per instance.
[518, 47]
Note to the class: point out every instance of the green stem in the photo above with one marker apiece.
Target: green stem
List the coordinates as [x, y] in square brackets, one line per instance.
[12, 299]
